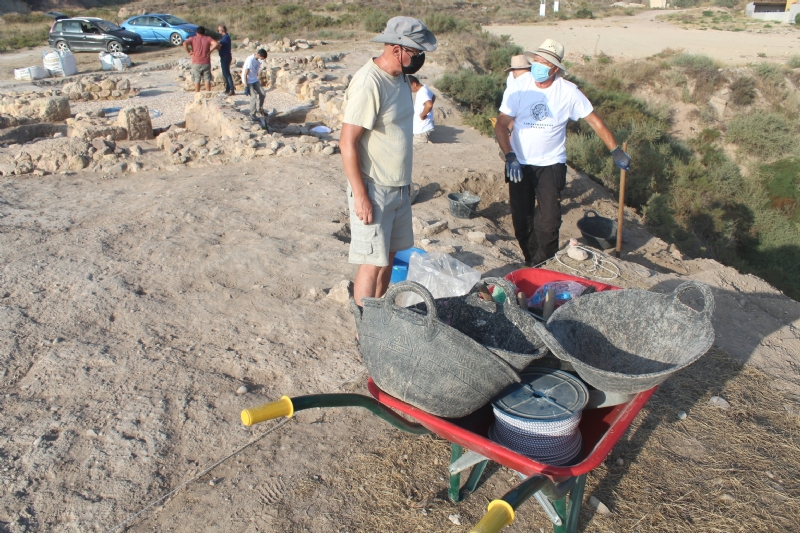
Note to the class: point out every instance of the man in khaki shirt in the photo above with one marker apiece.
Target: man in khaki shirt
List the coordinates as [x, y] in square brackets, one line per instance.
[376, 146]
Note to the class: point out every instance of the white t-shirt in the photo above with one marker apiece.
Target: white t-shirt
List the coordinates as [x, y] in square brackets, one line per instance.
[253, 64]
[421, 126]
[511, 81]
[540, 118]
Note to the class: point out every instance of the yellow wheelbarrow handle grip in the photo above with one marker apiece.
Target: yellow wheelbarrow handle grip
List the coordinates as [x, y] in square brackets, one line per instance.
[268, 411]
[499, 515]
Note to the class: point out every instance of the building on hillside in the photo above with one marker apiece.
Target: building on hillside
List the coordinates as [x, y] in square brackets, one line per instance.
[776, 10]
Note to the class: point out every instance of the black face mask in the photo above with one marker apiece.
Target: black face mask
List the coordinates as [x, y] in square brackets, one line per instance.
[416, 63]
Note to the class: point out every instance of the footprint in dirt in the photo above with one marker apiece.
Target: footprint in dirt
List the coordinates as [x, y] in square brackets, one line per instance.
[272, 491]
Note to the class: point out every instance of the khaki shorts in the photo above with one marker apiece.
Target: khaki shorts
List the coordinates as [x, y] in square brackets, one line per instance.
[391, 229]
[422, 138]
[201, 72]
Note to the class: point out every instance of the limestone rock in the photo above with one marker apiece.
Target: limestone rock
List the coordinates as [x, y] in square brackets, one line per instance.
[435, 228]
[341, 292]
[476, 236]
[136, 120]
[328, 150]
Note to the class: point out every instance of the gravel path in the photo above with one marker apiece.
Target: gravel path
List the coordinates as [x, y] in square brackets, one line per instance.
[166, 101]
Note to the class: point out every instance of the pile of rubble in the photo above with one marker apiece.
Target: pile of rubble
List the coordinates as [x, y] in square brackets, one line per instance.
[267, 75]
[217, 132]
[99, 88]
[70, 154]
[28, 107]
[284, 45]
[133, 124]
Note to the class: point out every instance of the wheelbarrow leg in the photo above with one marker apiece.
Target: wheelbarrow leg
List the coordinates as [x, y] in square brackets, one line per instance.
[456, 492]
[570, 515]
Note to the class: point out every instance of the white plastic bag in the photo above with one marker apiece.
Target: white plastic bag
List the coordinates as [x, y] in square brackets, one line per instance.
[30, 73]
[440, 273]
[59, 63]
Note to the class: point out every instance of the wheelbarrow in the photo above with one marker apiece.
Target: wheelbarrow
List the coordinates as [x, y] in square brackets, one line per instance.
[558, 489]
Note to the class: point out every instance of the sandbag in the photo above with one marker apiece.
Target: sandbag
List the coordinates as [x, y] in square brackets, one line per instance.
[114, 61]
[30, 73]
[60, 63]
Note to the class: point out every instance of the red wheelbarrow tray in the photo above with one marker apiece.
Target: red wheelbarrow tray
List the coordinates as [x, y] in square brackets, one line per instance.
[600, 428]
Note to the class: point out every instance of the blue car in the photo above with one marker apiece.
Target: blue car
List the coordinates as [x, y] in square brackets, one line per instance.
[155, 28]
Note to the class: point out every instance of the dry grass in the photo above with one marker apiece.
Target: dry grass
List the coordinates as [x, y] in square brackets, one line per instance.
[717, 470]
[23, 31]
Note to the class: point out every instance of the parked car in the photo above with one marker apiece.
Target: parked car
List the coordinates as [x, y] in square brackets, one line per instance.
[85, 34]
[160, 28]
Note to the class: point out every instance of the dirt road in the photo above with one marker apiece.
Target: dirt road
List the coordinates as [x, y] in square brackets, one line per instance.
[642, 36]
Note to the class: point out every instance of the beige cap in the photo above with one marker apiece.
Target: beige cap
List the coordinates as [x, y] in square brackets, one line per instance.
[519, 62]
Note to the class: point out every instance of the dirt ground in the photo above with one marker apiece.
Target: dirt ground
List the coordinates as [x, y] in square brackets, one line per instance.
[87, 62]
[644, 35]
[134, 308]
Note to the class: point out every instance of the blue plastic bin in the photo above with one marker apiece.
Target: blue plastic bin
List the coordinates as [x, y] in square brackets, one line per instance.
[400, 264]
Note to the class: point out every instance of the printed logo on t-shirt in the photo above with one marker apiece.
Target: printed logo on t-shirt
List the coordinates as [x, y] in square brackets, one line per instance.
[539, 111]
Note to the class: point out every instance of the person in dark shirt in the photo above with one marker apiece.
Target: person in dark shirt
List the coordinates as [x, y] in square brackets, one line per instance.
[225, 59]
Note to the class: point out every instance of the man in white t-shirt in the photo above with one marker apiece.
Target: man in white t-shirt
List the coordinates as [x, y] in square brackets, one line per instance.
[250, 80]
[377, 153]
[540, 105]
[423, 110]
[520, 68]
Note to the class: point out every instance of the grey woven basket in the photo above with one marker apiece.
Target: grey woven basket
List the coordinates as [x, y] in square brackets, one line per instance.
[505, 329]
[628, 341]
[416, 358]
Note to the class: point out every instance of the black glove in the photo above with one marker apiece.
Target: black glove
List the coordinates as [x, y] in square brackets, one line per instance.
[621, 159]
[513, 168]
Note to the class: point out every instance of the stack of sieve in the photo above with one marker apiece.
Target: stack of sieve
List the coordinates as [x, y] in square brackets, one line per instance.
[539, 417]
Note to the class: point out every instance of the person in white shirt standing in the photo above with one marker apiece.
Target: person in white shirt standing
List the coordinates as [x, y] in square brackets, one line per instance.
[520, 66]
[540, 105]
[423, 110]
[250, 80]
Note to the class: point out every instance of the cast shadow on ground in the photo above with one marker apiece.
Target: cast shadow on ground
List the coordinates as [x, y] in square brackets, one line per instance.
[445, 135]
[428, 192]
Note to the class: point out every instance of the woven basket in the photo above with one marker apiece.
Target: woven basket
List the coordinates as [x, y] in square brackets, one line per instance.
[505, 329]
[418, 359]
[629, 341]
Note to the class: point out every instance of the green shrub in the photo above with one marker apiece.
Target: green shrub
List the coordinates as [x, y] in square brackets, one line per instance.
[478, 92]
[743, 90]
[584, 12]
[683, 4]
[288, 9]
[440, 23]
[764, 135]
[498, 59]
[703, 70]
[797, 20]
[375, 21]
[793, 62]
[333, 7]
[708, 13]
[730, 4]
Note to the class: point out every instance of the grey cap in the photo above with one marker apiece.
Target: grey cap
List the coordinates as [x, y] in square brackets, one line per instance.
[408, 32]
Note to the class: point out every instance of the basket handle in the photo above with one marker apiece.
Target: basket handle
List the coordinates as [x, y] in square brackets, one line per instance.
[507, 287]
[390, 307]
[550, 341]
[705, 290]
[586, 214]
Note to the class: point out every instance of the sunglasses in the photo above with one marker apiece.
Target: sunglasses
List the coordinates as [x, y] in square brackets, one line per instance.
[411, 51]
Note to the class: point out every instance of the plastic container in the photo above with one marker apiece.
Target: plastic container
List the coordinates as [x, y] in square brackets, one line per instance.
[422, 361]
[566, 290]
[463, 204]
[528, 280]
[539, 417]
[400, 264]
[600, 232]
[629, 341]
